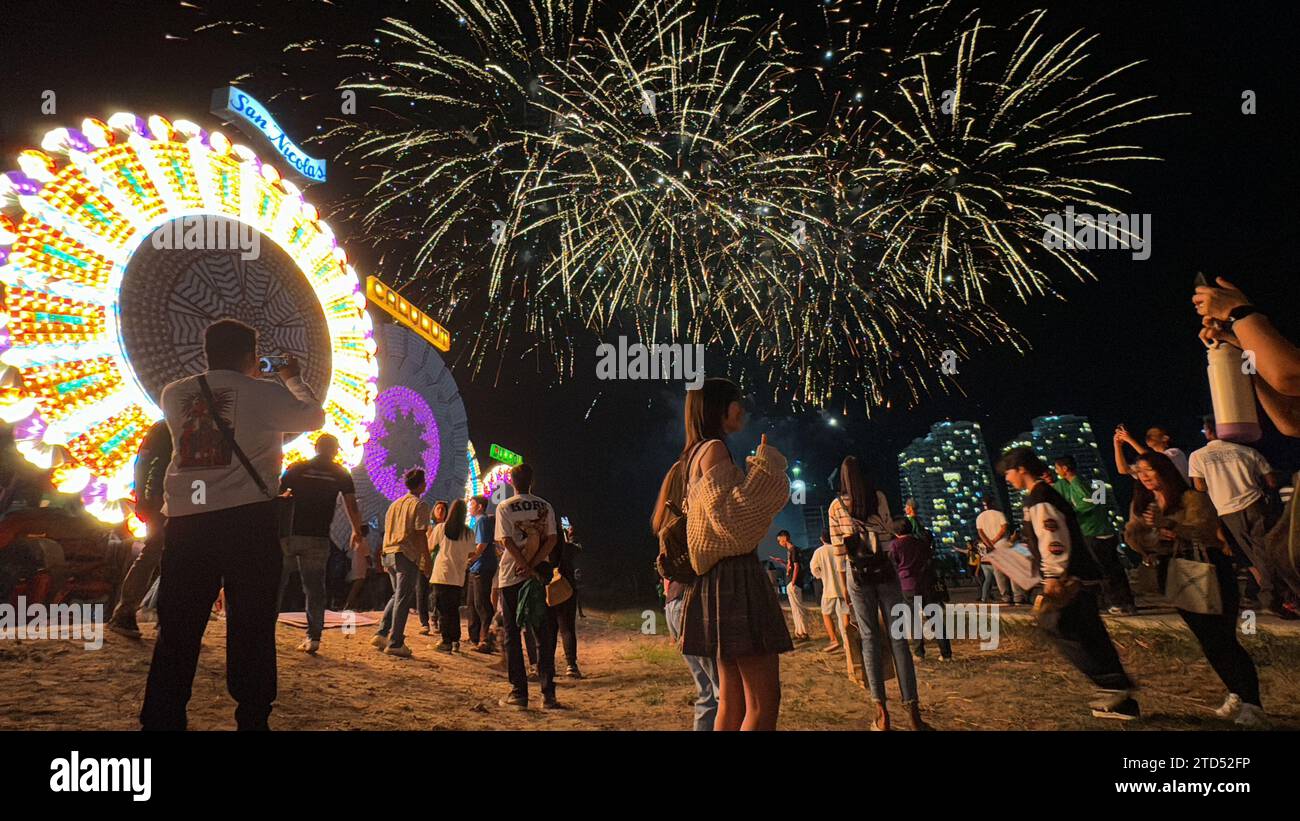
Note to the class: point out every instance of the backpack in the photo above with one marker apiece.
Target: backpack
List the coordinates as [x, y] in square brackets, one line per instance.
[868, 562]
[674, 560]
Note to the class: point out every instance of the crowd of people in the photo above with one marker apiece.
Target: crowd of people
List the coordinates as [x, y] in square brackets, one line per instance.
[205, 492]
[1194, 519]
[223, 523]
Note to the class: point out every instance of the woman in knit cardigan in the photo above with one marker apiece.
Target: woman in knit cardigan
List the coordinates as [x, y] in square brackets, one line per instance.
[731, 610]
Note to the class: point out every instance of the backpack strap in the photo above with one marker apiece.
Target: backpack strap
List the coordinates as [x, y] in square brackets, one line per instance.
[696, 450]
[229, 436]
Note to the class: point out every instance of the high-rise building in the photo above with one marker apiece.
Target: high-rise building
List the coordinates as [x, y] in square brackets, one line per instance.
[1055, 436]
[947, 472]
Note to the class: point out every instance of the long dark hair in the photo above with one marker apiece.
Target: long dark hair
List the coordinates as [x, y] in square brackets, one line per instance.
[454, 525]
[706, 408]
[1171, 481]
[860, 490]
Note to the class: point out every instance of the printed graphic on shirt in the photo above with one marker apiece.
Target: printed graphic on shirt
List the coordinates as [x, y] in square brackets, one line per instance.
[527, 522]
[200, 444]
[1048, 528]
[529, 534]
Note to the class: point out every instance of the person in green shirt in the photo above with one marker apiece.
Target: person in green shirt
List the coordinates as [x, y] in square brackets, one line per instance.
[1099, 533]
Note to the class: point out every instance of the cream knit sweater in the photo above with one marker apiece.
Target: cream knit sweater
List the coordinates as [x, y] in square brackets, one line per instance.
[729, 511]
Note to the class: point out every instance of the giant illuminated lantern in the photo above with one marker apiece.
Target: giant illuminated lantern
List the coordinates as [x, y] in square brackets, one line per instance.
[419, 421]
[96, 318]
[473, 481]
[497, 485]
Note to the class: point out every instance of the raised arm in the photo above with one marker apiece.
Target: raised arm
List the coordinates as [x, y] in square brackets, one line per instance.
[1121, 464]
[764, 490]
[1277, 360]
[291, 407]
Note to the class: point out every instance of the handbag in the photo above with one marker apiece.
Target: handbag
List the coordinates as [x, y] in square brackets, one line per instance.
[674, 560]
[1193, 584]
[558, 591]
[283, 504]
[853, 652]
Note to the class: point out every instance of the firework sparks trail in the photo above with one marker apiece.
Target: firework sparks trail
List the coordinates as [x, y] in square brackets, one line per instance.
[559, 169]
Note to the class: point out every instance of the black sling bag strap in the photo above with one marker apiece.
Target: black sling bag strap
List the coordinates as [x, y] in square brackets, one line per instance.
[284, 505]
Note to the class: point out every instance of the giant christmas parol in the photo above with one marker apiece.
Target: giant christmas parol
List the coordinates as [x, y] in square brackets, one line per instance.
[94, 319]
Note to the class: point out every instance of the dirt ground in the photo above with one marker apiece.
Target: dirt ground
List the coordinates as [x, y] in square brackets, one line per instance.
[638, 681]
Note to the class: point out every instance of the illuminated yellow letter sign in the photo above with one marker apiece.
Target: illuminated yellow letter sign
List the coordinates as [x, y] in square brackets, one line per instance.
[407, 314]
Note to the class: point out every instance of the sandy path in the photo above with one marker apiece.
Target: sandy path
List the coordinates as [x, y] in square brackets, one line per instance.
[634, 681]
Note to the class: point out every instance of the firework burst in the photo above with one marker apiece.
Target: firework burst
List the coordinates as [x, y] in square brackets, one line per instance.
[686, 169]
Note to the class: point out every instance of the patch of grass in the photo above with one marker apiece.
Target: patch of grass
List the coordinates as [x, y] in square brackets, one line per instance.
[651, 696]
[657, 653]
[632, 620]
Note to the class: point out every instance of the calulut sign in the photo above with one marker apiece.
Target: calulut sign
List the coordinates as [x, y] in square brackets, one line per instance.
[253, 118]
[507, 457]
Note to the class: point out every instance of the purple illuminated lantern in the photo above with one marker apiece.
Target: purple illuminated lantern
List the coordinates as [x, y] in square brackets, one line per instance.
[384, 462]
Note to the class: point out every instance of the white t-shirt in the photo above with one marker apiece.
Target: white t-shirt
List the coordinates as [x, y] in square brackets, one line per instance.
[520, 518]
[1234, 474]
[989, 522]
[826, 566]
[258, 411]
[453, 555]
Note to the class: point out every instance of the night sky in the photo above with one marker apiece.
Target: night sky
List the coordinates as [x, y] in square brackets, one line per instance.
[1121, 349]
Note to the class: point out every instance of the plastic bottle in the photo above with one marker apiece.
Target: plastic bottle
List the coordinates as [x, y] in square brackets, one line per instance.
[1235, 417]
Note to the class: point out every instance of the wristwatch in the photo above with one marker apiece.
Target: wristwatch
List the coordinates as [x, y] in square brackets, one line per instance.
[1241, 312]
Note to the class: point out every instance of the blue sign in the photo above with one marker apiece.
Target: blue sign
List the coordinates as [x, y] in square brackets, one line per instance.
[251, 117]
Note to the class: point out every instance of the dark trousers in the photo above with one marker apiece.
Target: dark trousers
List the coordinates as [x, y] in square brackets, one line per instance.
[530, 645]
[565, 616]
[140, 575]
[1249, 530]
[918, 643]
[514, 648]
[237, 548]
[422, 591]
[1080, 635]
[446, 599]
[402, 572]
[479, 599]
[1114, 581]
[1217, 635]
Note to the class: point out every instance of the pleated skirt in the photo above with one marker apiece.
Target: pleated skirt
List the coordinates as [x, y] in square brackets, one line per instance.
[732, 611]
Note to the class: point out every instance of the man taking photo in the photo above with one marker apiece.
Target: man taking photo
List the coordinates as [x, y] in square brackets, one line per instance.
[227, 427]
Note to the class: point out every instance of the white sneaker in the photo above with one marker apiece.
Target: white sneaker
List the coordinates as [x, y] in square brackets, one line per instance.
[309, 646]
[1231, 706]
[1252, 718]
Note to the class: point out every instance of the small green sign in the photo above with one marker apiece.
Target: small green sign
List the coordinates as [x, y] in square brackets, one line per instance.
[505, 457]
